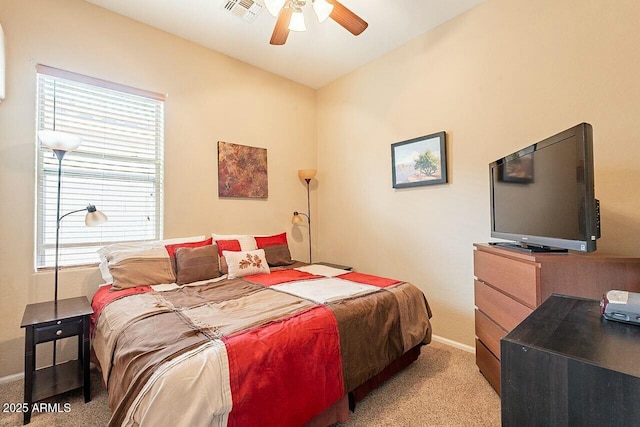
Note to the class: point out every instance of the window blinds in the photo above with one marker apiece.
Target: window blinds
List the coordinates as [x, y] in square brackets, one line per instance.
[118, 167]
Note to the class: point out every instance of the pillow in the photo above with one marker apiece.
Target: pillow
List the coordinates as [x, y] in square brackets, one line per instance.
[132, 268]
[245, 263]
[196, 263]
[247, 243]
[278, 255]
[232, 242]
[266, 241]
[171, 249]
[147, 244]
[226, 245]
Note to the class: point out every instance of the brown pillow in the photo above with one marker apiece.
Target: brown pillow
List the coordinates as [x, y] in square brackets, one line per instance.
[195, 264]
[278, 255]
[131, 268]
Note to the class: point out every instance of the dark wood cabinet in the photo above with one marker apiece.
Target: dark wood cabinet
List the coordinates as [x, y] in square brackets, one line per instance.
[509, 285]
[565, 365]
[46, 322]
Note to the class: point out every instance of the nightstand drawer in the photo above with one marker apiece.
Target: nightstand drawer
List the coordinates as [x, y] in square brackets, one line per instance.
[56, 331]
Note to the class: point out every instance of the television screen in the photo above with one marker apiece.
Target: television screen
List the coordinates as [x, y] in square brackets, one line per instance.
[542, 196]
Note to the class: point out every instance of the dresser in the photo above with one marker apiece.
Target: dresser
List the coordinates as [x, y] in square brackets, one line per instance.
[509, 285]
[567, 366]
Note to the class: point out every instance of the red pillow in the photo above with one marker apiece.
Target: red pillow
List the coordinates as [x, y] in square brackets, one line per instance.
[266, 241]
[171, 249]
[228, 245]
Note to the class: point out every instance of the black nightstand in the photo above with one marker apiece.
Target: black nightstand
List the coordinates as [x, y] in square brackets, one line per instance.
[565, 365]
[341, 267]
[45, 322]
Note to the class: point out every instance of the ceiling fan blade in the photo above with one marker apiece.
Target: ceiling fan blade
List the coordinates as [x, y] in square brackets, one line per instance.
[281, 30]
[349, 20]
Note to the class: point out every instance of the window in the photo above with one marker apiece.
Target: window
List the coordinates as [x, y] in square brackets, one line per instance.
[118, 167]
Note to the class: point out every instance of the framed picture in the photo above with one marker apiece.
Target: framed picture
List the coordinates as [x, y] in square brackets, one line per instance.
[242, 171]
[419, 161]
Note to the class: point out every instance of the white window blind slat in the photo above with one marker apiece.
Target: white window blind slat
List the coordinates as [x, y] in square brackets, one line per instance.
[118, 167]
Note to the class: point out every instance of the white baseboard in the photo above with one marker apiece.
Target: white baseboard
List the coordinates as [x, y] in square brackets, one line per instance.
[11, 378]
[455, 344]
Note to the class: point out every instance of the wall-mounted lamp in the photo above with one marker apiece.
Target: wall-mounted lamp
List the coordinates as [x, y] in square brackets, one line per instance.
[307, 175]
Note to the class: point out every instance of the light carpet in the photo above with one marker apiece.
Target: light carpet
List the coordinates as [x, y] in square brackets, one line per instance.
[442, 388]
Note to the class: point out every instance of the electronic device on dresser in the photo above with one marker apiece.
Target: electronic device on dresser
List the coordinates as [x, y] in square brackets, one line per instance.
[542, 197]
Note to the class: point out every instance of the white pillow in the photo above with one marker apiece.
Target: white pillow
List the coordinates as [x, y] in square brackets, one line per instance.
[105, 251]
[246, 263]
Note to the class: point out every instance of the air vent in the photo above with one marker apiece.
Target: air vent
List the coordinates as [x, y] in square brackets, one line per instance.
[245, 9]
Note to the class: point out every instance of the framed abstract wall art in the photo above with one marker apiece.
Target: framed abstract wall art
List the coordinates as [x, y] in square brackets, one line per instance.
[242, 171]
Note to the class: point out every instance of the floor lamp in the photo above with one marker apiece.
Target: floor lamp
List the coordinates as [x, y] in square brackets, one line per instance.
[307, 175]
[61, 143]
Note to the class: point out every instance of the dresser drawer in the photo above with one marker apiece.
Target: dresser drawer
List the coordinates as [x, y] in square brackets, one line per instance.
[489, 333]
[500, 308]
[56, 331]
[489, 365]
[516, 278]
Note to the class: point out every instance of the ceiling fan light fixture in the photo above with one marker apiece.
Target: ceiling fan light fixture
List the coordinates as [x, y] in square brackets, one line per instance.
[297, 21]
[322, 9]
[274, 6]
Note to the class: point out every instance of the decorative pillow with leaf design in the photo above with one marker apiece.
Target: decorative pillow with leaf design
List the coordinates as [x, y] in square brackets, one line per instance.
[246, 263]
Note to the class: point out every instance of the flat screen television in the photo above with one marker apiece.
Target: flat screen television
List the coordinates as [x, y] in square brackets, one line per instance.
[542, 197]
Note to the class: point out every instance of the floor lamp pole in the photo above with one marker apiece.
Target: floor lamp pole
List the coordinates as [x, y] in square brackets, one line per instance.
[309, 216]
[59, 154]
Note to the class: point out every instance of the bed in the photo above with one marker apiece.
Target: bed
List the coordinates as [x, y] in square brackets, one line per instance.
[230, 331]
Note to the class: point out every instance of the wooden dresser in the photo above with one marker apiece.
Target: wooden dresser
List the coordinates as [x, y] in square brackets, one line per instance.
[509, 285]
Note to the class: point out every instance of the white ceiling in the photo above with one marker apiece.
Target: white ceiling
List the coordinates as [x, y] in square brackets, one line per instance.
[314, 58]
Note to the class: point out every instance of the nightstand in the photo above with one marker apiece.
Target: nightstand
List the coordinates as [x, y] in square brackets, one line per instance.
[341, 267]
[565, 365]
[45, 322]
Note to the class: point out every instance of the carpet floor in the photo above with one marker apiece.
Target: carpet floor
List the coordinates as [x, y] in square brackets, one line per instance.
[442, 388]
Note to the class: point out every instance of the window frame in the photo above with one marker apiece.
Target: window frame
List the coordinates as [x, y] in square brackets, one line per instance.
[41, 244]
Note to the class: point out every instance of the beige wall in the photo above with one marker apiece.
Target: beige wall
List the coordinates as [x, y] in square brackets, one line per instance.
[211, 97]
[500, 77]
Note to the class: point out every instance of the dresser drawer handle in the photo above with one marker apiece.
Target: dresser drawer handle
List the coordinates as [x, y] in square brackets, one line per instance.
[59, 332]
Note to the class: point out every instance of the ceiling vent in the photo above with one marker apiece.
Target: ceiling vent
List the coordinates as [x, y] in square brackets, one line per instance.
[245, 9]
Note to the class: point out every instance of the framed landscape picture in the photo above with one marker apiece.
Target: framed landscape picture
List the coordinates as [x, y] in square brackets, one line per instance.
[419, 161]
[242, 171]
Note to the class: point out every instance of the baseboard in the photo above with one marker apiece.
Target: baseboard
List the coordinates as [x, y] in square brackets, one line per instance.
[11, 378]
[455, 344]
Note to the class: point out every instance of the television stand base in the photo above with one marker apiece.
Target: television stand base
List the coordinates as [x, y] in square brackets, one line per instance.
[523, 247]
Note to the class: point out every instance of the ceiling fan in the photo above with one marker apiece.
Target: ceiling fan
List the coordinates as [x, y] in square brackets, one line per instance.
[290, 17]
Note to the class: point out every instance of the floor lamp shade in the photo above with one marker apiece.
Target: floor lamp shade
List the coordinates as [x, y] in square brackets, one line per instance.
[307, 173]
[60, 141]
